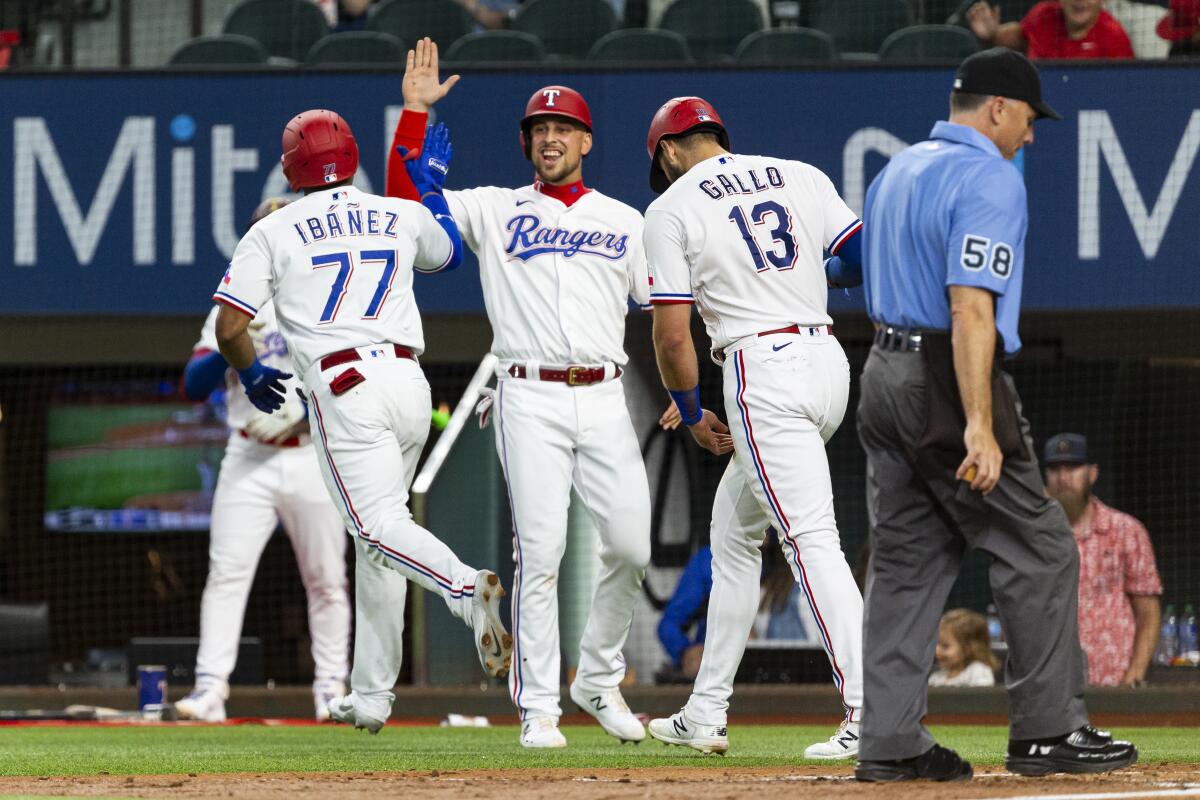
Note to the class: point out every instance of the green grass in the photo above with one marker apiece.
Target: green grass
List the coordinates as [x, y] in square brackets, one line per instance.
[122, 751]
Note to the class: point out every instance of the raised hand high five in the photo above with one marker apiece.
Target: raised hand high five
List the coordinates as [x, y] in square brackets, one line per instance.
[421, 87]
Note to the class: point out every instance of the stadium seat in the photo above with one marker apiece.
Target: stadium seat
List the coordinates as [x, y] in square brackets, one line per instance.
[357, 47]
[285, 28]
[641, 45]
[791, 46]
[444, 21]
[217, 50]
[504, 46]
[860, 26]
[928, 43]
[713, 28]
[566, 28]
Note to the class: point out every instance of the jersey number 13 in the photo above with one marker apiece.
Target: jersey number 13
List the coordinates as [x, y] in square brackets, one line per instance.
[780, 251]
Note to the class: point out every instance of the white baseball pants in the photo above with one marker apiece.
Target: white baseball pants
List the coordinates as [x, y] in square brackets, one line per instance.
[551, 437]
[368, 440]
[785, 395]
[261, 485]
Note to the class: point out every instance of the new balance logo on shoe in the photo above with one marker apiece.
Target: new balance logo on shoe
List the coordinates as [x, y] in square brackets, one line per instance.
[721, 731]
[1040, 750]
[680, 728]
[598, 702]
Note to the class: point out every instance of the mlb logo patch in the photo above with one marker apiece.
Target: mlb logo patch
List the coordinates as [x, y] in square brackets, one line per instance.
[377, 354]
[703, 116]
[226, 279]
[331, 173]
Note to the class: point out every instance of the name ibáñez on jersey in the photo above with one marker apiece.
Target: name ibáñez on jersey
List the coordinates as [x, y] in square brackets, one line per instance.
[530, 239]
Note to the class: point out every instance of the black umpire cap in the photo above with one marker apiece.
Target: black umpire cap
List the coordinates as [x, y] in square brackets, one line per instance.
[1005, 73]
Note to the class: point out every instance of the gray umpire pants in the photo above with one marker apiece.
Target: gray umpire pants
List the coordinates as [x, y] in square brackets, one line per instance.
[922, 521]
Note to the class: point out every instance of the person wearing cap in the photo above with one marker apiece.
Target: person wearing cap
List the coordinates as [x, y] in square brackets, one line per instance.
[1054, 29]
[558, 261]
[741, 238]
[1181, 27]
[950, 462]
[1119, 612]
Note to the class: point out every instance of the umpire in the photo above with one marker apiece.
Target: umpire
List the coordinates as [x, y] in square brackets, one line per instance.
[949, 457]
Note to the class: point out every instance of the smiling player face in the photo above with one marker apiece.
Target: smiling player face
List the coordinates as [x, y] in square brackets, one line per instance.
[558, 147]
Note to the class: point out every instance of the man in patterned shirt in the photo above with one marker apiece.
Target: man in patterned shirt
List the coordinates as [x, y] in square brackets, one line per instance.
[1119, 614]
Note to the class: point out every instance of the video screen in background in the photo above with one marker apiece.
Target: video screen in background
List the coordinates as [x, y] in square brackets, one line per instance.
[131, 456]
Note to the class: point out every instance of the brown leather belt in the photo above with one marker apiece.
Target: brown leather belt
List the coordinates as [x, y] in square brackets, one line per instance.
[351, 354]
[291, 441]
[572, 376]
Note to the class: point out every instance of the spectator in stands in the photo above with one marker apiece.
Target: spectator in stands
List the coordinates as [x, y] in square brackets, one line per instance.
[345, 15]
[1054, 29]
[1119, 614]
[783, 612]
[491, 14]
[1181, 27]
[1141, 21]
[964, 654]
[495, 14]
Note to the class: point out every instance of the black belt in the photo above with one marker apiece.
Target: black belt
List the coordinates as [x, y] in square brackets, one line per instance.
[898, 339]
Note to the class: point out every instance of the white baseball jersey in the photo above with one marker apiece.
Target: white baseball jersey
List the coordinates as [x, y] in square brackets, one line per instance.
[339, 265]
[270, 347]
[742, 237]
[555, 277]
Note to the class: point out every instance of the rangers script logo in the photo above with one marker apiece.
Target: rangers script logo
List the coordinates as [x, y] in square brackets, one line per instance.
[529, 239]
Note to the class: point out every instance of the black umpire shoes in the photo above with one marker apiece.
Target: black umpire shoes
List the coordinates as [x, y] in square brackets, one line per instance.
[1081, 751]
[936, 764]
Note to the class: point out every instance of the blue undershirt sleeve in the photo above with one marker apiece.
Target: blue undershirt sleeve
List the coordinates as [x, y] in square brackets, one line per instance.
[203, 373]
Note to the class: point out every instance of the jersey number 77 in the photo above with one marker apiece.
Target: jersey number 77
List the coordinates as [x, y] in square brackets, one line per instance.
[344, 261]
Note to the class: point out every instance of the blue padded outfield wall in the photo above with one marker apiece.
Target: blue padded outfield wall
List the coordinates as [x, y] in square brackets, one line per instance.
[126, 193]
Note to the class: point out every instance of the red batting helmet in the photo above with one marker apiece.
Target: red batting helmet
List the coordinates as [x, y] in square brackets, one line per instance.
[318, 149]
[677, 116]
[559, 101]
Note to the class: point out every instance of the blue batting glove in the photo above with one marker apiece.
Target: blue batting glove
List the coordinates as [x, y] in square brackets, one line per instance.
[428, 170]
[264, 386]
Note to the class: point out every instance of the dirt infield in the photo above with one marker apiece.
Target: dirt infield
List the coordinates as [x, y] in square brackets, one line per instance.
[675, 782]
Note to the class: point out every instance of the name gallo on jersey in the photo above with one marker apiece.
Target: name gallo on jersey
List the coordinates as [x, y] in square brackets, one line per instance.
[530, 239]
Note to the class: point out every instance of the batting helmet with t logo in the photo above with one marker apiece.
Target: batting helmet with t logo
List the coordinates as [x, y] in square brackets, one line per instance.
[318, 150]
[559, 101]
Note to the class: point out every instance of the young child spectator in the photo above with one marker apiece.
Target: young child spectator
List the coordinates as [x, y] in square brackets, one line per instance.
[964, 655]
[1054, 29]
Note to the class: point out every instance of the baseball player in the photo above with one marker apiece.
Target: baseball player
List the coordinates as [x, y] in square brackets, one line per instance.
[558, 261]
[741, 238]
[269, 474]
[339, 264]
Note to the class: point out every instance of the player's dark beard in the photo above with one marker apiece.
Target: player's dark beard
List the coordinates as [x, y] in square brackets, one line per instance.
[672, 171]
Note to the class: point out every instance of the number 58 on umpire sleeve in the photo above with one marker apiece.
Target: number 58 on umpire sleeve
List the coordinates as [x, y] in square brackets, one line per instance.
[986, 242]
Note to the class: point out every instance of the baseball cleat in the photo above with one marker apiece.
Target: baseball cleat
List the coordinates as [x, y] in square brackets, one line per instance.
[342, 709]
[935, 764]
[843, 744]
[324, 692]
[204, 703]
[491, 638]
[542, 732]
[1086, 750]
[610, 710]
[678, 729]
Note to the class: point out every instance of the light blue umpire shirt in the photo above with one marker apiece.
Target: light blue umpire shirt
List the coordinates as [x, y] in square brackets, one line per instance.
[949, 211]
